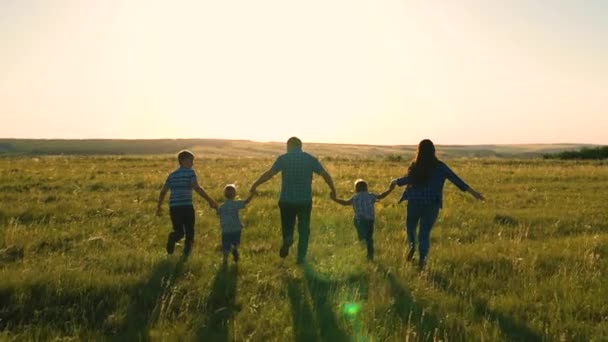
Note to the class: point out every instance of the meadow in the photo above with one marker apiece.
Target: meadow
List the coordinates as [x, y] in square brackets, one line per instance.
[82, 256]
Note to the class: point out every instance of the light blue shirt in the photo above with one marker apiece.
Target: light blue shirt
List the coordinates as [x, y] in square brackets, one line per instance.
[229, 216]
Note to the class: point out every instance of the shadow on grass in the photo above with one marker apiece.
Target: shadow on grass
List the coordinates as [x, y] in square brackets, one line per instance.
[410, 311]
[316, 322]
[304, 324]
[512, 330]
[143, 312]
[220, 306]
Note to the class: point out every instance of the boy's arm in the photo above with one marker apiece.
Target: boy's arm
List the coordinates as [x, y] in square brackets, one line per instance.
[204, 195]
[161, 198]
[340, 201]
[388, 191]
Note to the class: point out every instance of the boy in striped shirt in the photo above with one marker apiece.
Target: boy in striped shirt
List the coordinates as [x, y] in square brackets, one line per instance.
[181, 182]
[363, 206]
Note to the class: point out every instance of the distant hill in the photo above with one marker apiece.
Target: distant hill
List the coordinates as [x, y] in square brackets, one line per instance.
[216, 148]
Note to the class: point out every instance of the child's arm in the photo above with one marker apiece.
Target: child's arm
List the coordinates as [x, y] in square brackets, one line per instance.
[388, 191]
[204, 195]
[161, 198]
[332, 195]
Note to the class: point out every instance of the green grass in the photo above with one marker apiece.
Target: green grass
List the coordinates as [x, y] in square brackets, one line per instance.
[82, 256]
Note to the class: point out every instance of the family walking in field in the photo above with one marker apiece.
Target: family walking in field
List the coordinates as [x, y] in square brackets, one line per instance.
[423, 183]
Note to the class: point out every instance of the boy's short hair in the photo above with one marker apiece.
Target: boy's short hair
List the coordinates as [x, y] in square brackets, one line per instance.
[184, 155]
[294, 142]
[230, 190]
[360, 185]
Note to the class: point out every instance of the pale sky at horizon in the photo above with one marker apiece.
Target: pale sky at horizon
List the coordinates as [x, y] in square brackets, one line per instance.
[341, 71]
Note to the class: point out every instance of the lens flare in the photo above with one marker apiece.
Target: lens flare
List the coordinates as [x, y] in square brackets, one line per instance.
[351, 309]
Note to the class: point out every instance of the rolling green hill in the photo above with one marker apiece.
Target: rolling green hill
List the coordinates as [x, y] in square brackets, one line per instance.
[249, 149]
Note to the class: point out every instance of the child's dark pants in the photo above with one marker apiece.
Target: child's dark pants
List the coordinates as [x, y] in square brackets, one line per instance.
[183, 224]
[365, 231]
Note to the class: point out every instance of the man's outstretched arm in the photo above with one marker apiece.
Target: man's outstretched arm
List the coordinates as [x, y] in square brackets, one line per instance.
[265, 177]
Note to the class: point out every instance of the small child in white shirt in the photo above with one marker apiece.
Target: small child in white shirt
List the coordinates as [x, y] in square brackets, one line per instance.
[230, 222]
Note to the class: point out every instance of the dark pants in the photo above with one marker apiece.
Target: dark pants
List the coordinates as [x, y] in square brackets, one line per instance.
[183, 224]
[230, 241]
[426, 214]
[289, 212]
[365, 231]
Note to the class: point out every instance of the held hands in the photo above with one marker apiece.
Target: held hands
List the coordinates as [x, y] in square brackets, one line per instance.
[213, 204]
[392, 185]
[477, 195]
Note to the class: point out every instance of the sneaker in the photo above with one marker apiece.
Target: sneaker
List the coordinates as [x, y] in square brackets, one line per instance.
[284, 251]
[170, 246]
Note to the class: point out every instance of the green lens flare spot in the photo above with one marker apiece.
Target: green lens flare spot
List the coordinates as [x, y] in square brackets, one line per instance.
[351, 309]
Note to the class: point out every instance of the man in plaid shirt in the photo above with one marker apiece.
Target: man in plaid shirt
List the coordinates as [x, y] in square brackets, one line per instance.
[295, 201]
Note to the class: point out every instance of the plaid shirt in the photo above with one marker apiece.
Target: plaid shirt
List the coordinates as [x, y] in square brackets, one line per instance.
[363, 205]
[432, 191]
[296, 169]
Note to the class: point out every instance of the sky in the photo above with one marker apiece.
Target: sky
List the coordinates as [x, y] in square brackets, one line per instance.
[339, 71]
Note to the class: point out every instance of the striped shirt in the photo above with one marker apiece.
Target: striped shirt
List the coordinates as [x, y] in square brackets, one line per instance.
[180, 183]
[363, 205]
[432, 191]
[296, 169]
[229, 216]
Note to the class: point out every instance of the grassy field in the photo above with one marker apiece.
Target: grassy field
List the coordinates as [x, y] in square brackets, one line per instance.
[82, 257]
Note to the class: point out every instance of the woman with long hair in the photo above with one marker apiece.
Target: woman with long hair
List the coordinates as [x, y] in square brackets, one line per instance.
[424, 193]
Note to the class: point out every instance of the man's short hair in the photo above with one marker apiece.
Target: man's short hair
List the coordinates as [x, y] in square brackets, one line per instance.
[294, 142]
[184, 155]
[360, 185]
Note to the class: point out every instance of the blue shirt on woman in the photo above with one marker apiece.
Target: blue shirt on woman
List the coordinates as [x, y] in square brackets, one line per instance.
[430, 192]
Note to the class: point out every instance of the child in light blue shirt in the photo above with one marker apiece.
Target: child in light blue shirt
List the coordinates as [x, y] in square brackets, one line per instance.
[363, 206]
[230, 222]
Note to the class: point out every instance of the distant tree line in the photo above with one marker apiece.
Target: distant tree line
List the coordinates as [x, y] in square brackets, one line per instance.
[584, 153]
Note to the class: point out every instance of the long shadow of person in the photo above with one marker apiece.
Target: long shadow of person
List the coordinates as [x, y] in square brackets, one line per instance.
[513, 330]
[305, 326]
[220, 306]
[410, 311]
[321, 288]
[147, 300]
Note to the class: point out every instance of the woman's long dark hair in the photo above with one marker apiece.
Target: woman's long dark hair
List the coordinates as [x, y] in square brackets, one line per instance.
[420, 171]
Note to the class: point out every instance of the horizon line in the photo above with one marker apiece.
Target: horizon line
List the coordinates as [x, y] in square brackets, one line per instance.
[305, 142]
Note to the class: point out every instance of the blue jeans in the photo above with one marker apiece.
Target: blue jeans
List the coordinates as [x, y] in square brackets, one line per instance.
[426, 214]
